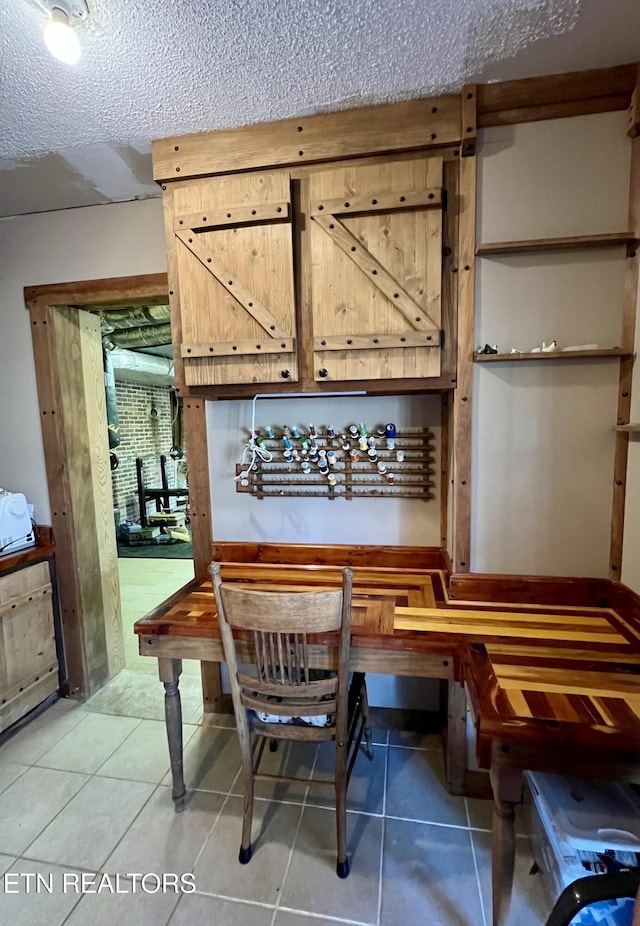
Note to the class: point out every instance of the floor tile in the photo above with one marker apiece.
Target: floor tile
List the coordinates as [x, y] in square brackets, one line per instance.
[137, 907]
[26, 746]
[366, 788]
[529, 903]
[291, 759]
[481, 815]
[161, 839]
[91, 824]
[144, 754]
[136, 694]
[33, 905]
[416, 788]
[288, 918]
[312, 884]
[9, 771]
[196, 909]
[6, 861]
[429, 876]
[29, 804]
[211, 719]
[89, 743]
[218, 870]
[212, 760]
[415, 740]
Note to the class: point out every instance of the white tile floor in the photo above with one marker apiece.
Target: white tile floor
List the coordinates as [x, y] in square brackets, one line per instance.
[144, 584]
[85, 789]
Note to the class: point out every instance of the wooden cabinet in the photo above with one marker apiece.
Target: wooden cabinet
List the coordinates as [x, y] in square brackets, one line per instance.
[376, 269]
[28, 662]
[234, 261]
[332, 274]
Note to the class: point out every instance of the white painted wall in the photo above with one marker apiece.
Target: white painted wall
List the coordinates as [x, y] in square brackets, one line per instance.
[78, 244]
[543, 439]
[239, 516]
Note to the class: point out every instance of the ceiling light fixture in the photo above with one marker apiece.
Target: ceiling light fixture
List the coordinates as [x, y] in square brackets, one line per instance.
[59, 35]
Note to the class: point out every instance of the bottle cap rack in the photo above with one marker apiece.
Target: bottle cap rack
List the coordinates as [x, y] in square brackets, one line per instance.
[413, 477]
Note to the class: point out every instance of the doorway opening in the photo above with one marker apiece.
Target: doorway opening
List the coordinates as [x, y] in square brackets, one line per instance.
[68, 348]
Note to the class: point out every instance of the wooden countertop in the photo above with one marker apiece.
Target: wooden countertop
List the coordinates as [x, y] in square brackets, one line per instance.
[404, 609]
[43, 549]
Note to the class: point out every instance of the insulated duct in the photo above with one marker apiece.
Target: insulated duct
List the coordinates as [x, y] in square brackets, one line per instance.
[147, 336]
[142, 368]
[135, 316]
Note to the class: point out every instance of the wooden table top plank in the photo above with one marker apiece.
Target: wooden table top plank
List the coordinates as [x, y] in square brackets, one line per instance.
[594, 622]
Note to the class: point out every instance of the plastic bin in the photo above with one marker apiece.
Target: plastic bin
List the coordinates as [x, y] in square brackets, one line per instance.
[579, 828]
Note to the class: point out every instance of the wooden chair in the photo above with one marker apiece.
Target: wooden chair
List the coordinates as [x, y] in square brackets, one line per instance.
[280, 700]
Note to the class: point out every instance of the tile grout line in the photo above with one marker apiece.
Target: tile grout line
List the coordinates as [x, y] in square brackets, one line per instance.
[384, 829]
[475, 865]
[293, 844]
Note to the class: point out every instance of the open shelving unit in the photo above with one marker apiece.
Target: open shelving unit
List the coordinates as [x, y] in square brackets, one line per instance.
[568, 243]
[552, 355]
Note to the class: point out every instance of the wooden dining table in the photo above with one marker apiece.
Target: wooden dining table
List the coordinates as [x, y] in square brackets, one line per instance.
[550, 687]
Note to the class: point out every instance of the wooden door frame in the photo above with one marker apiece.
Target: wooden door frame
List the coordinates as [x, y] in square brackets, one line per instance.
[61, 389]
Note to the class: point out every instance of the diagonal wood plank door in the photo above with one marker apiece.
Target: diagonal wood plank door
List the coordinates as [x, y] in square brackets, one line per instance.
[376, 269]
[234, 252]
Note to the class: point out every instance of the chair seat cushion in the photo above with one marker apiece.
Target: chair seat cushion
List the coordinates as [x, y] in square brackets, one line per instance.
[316, 720]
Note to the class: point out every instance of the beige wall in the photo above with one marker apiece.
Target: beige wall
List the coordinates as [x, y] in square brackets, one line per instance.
[543, 439]
[57, 247]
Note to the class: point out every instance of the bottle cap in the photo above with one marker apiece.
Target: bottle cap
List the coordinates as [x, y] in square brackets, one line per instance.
[390, 430]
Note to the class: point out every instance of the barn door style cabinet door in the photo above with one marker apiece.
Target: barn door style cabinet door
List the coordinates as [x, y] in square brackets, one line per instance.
[234, 261]
[323, 271]
[376, 269]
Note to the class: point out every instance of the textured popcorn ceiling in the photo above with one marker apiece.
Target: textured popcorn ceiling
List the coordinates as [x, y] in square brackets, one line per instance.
[152, 69]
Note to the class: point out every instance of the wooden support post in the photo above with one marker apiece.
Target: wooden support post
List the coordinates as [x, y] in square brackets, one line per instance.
[174, 291]
[468, 129]
[462, 398]
[627, 341]
[195, 432]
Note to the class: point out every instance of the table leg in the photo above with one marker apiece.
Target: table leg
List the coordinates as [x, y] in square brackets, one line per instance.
[169, 671]
[456, 744]
[507, 792]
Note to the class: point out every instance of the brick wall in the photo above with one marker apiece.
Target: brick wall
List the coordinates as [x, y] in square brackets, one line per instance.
[141, 435]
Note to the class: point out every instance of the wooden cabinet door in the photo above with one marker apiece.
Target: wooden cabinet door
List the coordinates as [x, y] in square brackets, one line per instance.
[233, 244]
[376, 269]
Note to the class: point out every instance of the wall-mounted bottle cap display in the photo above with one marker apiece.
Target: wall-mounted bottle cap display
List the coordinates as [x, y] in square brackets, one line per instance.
[344, 462]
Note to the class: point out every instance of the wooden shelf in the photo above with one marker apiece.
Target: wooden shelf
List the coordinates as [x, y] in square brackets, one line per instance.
[632, 428]
[571, 243]
[552, 355]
